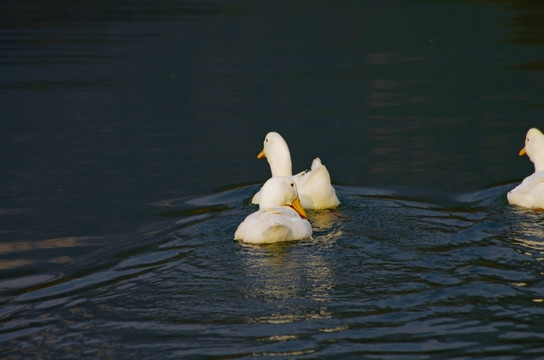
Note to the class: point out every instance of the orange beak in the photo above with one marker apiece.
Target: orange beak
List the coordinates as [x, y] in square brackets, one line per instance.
[298, 208]
[261, 155]
[522, 152]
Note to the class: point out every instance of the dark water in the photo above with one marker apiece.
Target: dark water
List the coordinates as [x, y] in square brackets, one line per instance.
[129, 136]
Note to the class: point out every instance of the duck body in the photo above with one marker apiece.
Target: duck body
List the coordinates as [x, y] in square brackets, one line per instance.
[280, 216]
[316, 191]
[314, 186]
[530, 193]
[273, 225]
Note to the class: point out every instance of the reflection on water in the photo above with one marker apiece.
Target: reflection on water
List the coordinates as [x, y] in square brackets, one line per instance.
[117, 116]
[385, 270]
[67, 242]
[528, 29]
[328, 223]
[527, 22]
[529, 233]
[36, 254]
[277, 274]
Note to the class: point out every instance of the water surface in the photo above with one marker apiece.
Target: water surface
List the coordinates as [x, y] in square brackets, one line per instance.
[129, 142]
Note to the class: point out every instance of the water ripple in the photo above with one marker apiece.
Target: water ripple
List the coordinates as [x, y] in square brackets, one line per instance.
[388, 275]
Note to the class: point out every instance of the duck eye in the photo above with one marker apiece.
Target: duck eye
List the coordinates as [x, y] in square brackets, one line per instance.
[292, 185]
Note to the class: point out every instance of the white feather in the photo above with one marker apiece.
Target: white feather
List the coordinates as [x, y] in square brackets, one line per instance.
[530, 193]
[275, 220]
[314, 185]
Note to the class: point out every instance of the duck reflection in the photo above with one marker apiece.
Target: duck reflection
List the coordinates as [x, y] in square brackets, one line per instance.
[326, 221]
[293, 282]
[529, 232]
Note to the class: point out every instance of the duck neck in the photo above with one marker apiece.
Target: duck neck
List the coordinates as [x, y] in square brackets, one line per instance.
[538, 160]
[280, 163]
[539, 164]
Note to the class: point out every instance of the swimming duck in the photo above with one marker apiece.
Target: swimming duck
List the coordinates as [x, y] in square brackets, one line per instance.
[280, 216]
[314, 186]
[530, 193]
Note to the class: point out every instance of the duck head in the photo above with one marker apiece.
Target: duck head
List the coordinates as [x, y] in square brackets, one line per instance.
[276, 152]
[281, 191]
[534, 148]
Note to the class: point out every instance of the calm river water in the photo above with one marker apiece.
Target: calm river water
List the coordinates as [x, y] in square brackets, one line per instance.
[129, 137]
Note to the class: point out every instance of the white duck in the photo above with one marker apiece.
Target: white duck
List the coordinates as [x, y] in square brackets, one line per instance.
[280, 216]
[530, 193]
[314, 186]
